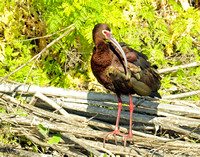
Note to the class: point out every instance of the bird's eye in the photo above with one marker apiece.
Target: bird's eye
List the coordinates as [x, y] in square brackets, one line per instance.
[106, 33]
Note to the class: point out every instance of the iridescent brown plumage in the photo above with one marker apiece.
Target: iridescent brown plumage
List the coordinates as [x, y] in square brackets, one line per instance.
[122, 70]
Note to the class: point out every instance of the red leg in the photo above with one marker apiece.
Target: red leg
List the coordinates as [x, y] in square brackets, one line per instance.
[116, 131]
[119, 111]
[130, 123]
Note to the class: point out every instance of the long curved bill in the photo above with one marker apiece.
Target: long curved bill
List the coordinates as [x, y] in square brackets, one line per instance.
[114, 41]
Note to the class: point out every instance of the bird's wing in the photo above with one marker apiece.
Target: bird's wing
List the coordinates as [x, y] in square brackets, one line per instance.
[141, 77]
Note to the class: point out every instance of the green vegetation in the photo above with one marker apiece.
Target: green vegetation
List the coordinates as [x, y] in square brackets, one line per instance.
[168, 37]
[165, 32]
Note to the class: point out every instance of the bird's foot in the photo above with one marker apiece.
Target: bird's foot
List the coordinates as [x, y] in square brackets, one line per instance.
[127, 136]
[117, 132]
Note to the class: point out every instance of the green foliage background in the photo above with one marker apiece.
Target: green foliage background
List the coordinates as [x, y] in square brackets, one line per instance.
[168, 37]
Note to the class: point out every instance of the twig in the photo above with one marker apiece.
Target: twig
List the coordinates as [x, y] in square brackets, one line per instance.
[84, 145]
[170, 126]
[102, 149]
[195, 64]
[52, 103]
[30, 72]
[47, 36]
[182, 95]
[8, 149]
[181, 102]
[11, 81]
[111, 148]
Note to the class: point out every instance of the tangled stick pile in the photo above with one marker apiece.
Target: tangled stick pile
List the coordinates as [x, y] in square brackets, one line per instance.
[81, 119]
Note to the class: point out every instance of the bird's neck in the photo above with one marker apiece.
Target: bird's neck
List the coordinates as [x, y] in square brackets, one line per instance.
[103, 49]
[101, 44]
[102, 56]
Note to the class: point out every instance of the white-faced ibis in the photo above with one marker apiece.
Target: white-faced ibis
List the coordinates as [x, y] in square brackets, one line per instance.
[122, 70]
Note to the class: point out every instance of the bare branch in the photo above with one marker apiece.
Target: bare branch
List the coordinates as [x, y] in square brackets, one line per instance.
[47, 36]
[52, 103]
[9, 149]
[182, 95]
[195, 64]
[81, 143]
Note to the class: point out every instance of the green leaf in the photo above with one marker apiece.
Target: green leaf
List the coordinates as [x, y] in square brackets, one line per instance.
[2, 110]
[45, 130]
[35, 148]
[105, 155]
[55, 139]
[2, 5]
[24, 113]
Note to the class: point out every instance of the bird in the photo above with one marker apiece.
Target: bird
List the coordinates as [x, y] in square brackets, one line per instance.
[123, 71]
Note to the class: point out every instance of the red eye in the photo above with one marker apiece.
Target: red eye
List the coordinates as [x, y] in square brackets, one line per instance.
[106, 33]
